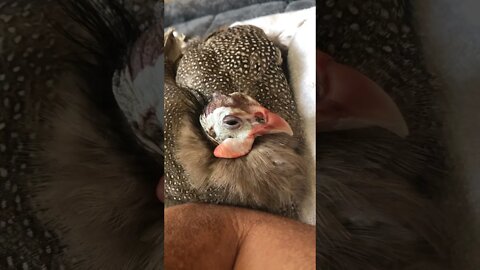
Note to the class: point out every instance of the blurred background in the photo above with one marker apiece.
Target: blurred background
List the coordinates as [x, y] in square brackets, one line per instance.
[192, 17]
[450, 35]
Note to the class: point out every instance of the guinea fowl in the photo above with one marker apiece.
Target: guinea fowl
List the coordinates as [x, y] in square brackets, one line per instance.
[233, 135]
[99, 154]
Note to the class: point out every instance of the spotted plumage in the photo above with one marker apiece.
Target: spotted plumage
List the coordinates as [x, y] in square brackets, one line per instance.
[273, 176]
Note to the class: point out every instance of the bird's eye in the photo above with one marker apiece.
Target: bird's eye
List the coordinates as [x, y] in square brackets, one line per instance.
[232, 122]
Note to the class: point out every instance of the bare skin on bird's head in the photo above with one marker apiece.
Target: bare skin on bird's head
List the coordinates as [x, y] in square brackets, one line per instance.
[233, 121]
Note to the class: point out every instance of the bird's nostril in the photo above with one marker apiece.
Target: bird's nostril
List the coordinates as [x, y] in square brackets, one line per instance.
[259, 117]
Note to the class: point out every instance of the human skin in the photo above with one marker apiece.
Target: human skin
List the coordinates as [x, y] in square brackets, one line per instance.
[203, 236]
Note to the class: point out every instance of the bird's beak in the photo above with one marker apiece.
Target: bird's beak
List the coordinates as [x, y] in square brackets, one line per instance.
[347, 99]
[272, 123]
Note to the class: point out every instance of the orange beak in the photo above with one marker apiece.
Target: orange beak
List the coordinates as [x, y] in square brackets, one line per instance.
[271, 123]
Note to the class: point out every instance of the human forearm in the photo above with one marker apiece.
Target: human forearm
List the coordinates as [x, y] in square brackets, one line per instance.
[200, 236]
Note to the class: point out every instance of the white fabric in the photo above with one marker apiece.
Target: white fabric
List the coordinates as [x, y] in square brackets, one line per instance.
[296, 30]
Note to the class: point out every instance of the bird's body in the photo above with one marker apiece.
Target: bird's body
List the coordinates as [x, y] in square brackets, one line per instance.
[273, 176]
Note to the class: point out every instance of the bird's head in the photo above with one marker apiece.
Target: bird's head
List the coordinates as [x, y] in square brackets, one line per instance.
[234, 121]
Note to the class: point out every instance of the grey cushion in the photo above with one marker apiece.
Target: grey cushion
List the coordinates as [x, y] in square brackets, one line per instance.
[200, 17]
[185, 10]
